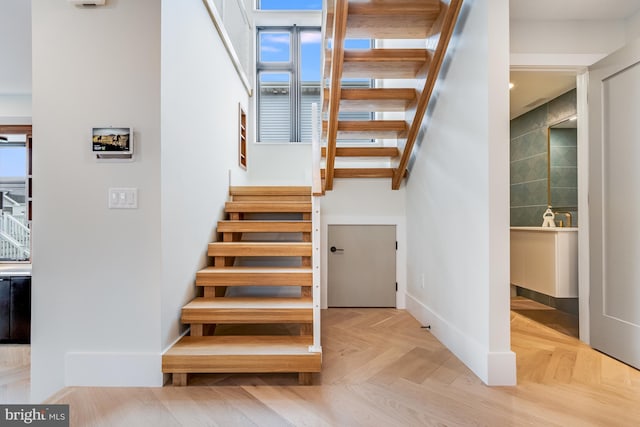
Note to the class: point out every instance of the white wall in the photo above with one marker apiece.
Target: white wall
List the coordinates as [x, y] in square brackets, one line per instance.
[279, 164]
[566, 37]
[366, 202]
[200, 96]
[632, 27]
[15, 109]
[458, 200]
[96, 272]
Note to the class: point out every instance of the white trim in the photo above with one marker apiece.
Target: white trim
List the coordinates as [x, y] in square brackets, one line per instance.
[226, 40]
[287, 18]
[401, 254]
[493, 368]
[558, 62]
[113, 369]
[25, 120]
[583, 207]
[555, 61]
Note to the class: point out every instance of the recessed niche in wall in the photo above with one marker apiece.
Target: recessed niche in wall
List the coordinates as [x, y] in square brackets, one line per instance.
[242, 137]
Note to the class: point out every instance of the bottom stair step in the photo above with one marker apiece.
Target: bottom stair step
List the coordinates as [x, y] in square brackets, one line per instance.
[241, 354]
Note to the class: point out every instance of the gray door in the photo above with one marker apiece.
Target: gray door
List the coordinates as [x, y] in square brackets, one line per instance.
[362, 266]
[614, 204]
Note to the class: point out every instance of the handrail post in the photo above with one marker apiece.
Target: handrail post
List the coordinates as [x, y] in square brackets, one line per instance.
[316, 193]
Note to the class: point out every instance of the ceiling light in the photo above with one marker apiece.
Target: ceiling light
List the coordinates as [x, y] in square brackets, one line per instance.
[511, 85]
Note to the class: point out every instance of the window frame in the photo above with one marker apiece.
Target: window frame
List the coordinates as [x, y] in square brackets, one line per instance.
[293, 68]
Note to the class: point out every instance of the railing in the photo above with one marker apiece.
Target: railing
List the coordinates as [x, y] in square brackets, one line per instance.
[447, 25]
[10, 200]
[316, 190]
[340, 10]
[16, 229]
[235, 34]
[15, 238]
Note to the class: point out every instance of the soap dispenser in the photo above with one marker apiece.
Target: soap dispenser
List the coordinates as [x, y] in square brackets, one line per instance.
[549, 218]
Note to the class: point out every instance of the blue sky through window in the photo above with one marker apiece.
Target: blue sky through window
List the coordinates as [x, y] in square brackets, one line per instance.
[13, 162]
[275, 47]
[290, 4]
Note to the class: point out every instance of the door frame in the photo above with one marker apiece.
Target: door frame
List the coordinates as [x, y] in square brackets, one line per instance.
[578, 64]
[401, 253]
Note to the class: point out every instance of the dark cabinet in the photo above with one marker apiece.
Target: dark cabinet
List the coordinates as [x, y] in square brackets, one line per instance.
[15, 309]
[5, 308]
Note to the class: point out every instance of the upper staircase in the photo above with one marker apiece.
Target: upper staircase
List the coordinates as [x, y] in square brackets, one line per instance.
[432, 20]
[266, 245]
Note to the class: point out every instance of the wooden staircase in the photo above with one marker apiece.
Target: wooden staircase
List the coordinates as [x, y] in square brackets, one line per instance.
[233, 331]
[433, 20]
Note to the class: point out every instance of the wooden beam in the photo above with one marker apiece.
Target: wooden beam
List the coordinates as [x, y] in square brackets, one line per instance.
[16, 129]
[339, 32]
[376, 99]
[365, 152]
[363, 173]
[382, 63]
[369, 129]
[448, 25]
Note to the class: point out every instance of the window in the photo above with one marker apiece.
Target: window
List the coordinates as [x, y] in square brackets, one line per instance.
[288, 82]
[15, 193]
[288, 67]
[289, 4]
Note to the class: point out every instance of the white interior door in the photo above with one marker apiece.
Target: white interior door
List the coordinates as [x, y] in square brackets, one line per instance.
[614, 204]
[362, 266]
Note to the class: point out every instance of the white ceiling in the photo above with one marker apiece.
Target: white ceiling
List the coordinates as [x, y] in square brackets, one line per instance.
[15, 47]
[559, 10]
[533, 88]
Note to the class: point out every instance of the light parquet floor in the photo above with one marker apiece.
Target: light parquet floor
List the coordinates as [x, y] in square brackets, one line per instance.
[381, 369]
[14, 373]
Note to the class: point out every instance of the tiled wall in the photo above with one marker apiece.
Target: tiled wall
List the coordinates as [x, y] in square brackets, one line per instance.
[564, 170]
[529, 160]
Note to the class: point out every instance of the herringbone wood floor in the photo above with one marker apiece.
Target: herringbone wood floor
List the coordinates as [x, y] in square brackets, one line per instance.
[381, 369]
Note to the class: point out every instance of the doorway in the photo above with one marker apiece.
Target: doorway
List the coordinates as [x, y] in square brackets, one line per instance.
[362, 266]
[544, 173]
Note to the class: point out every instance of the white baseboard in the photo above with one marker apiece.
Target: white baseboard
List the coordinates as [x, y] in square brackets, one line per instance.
[493, 368]
[113, 369]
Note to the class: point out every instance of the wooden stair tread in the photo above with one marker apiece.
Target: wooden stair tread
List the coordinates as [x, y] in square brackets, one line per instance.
[241, 344]
[248, 310]
[382, 63]
[268, 206]
[389, 19]
[270, 191]
[361, 172]
[373, 99]
[364, 152]
[253, 303]
[264, 226]
[234, 354]
[254, 276]
[369, 129]
[260, 249]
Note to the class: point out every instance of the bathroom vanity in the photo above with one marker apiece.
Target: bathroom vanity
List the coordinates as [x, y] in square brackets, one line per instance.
[545, 260]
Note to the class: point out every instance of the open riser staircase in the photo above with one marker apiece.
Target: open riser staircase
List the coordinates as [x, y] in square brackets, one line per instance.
[255, 314]
[395, 71]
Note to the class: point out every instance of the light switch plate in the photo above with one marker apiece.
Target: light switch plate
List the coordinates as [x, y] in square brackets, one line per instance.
[123, 198]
